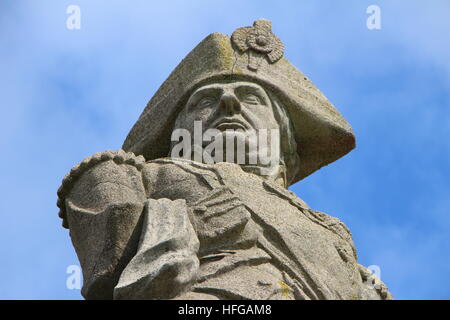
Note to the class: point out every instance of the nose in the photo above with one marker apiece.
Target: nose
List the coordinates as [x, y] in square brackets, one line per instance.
[229, 104]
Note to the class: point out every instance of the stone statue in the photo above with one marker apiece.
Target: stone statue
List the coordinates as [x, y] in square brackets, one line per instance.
[156, 220]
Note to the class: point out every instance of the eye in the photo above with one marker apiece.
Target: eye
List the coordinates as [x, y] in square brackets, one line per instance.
[206, 102]
[251, 99]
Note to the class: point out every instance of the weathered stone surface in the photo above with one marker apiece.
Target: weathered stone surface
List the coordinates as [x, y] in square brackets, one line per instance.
[148, 225]
[166, 261]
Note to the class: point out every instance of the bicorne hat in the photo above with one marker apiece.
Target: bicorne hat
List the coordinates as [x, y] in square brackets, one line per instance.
[252, 54]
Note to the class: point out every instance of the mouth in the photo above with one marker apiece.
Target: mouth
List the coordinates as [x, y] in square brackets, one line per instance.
[231, 123]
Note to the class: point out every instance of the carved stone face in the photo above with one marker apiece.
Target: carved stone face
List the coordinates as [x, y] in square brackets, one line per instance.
[236, 110]
[236, 105]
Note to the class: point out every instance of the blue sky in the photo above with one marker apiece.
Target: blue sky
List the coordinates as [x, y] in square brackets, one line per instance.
[66, 94]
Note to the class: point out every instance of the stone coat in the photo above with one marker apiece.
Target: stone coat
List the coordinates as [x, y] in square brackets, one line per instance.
[185, 230]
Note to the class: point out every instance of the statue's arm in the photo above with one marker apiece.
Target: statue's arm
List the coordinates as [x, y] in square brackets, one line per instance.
[166, 262]
[101, 201]
[129, 247]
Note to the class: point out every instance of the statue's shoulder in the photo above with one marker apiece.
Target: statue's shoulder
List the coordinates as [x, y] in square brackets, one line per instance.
[321, 218]
[170, 169]
[105, 177]
[336, 226]
[333, 224]
[330, 222]
[165, 176]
